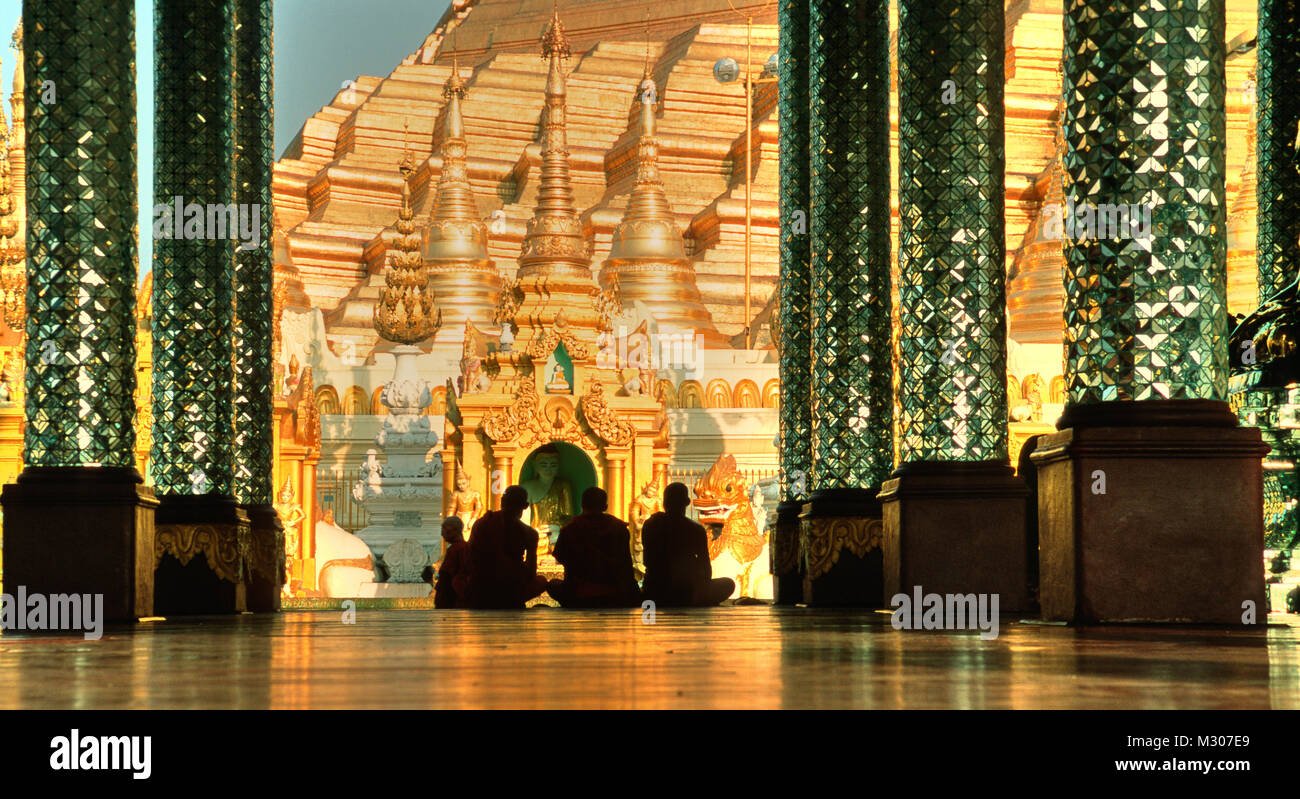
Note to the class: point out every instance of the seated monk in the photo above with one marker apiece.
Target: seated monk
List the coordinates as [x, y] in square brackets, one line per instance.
[453, 574]
[595, 550]
[677, 568]
[503, 557]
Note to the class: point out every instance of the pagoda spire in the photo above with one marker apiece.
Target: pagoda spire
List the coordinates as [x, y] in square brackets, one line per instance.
[554, 241]
[455, 244]
[554, 275]
[647, 262]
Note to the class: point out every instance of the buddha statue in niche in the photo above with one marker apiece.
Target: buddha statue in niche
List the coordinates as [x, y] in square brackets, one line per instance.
[550, 497]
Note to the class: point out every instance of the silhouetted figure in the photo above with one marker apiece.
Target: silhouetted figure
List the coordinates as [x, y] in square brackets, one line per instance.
[503, 557]
[595, 550]
[677, 568]
[453, 577]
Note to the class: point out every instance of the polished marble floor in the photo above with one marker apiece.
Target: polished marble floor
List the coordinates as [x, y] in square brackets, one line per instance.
[730, 657]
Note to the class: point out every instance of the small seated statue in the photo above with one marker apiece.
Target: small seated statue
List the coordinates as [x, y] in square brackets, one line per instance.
[558, 383]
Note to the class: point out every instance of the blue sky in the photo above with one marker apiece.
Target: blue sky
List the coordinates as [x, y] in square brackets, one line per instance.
[318, 45]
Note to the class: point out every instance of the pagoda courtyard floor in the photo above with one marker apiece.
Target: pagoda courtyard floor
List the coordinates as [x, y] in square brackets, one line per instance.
[729, 657]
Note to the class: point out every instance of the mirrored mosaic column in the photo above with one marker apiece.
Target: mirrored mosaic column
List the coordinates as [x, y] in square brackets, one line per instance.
[1149, 496]
[1145, 138]
[78, 519]
[1277, 190]
[193, 307]
[795, 342]
[255, 156]
[1271, 403]
[954, 513]
[952, 245]
[852, 369]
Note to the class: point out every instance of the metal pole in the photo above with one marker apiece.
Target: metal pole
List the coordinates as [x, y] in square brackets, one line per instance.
[749, 154]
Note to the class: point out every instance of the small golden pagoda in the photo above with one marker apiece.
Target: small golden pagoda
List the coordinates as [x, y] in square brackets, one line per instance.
[404, 314]
[647, 262]
[455, 243]
[596, 425]
[554, 263]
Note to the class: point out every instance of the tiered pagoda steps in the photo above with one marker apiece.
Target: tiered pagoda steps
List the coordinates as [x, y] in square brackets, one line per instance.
[337, 189]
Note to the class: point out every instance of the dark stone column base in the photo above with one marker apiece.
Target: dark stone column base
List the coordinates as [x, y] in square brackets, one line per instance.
[783, 547]
[956, 528]
[82, 530]
[839, 549]
[217, 531]
[1151, 512]
[267, 567]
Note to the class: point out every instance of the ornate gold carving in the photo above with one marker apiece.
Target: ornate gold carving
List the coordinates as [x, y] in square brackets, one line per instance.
[542, 346]
[603, 420]
[405, 313]
[822, 539]
[279, 295]
[558, 424]
[554, 40]
[784, 548]
[267, 555]
[227, 547]
[306, 416]
[506, 423]
[607, 304]
[508, 302]
[525, 421]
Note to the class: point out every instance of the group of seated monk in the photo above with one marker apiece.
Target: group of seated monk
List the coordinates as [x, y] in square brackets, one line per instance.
[497, 568]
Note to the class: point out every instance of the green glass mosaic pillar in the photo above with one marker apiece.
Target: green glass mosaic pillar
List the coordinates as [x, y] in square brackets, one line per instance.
[952, 246]
[795, 299]
[1149, 494]
[253, 445]
[193, 307]
[940, 533]
[1277, 242]
[852, 369]
[1145, 133]
[1277, 190]
[80, 494]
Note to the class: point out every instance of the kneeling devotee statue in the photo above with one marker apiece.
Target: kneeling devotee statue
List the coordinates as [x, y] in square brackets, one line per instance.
[550, 496]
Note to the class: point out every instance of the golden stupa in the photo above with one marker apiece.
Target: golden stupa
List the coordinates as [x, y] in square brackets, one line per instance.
[647, 262]
[455, 243]
[550, 389]
[554, 276]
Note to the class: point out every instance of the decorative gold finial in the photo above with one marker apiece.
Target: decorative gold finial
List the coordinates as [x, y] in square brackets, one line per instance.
[645, 21]
[407, 165]
[455, 86]
[554, 40]
[405, 313]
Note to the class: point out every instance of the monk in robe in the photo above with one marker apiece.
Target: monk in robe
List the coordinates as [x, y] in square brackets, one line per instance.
[677, 568]
[503, 557]
[595, 550]
[449, 590]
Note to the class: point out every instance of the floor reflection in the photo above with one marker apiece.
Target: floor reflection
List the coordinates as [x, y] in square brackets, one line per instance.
[740, 657]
